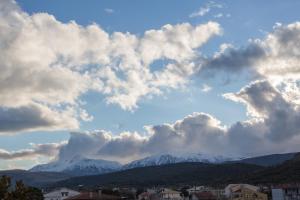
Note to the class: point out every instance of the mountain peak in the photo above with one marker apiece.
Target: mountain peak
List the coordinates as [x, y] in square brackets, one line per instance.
[79, 165]
[170, 158]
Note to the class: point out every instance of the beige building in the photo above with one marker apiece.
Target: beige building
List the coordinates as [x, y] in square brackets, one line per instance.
[60, 194]
[244, 192]
[167, 194]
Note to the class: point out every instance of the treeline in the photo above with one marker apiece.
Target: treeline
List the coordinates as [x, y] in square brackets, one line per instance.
[180, 174]
[19, 191]
[166, 175]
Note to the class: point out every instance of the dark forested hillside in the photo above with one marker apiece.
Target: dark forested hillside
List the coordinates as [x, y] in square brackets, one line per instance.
[36, 179]
[269, 160]
[288, 172]
[173, 174]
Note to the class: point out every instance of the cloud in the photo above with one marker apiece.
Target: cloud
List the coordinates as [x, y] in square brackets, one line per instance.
[109, 10]
[206, 88]
[49, 65]
[46, 66]
[34, 117]
[272, 127]
[280, 116]
[220, 15]
[275, 56]
[206, 9]
[230, 59]
[48, 150]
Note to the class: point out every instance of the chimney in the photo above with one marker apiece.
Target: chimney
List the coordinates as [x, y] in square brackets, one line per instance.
[91, 194]
[99, 193]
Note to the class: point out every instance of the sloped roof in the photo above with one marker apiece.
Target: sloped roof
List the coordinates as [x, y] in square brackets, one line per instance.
[205, 195]
[93, 196]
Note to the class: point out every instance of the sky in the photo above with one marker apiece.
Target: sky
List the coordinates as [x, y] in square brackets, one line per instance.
[121, 80]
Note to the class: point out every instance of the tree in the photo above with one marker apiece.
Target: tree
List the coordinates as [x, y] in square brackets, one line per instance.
[4, 187]
[20, 192]
[34, 194]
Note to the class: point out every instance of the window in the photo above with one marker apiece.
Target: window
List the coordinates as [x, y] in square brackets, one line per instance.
[64, 194]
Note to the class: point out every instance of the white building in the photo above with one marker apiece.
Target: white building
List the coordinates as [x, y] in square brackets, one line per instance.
[60, 194]
[286, 193]
[167, 194]
[277, 194]
[229, 190]
[196, 189]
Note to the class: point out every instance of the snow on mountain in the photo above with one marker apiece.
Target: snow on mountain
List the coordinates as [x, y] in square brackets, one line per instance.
[79, 166]
[163, 159]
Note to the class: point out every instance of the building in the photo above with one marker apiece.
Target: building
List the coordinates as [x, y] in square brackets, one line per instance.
[244, 192]
[277, 194]
[148, 196]
[60, 194]
[232, 187]
[287, 192]
[168, 194]
[144, 196]
[203, 196]
[195, 189]
[93, 196]
[218, 193]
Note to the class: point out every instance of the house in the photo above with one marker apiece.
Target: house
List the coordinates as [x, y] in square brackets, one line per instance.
[203, 196]
[277, 194]
[218, 193]
[286, 192]
[148, 196]
[93, 196]
[60, 194]
[244, 192]
[232, 187]
[144, 196]
[168, 194]
[195, 189]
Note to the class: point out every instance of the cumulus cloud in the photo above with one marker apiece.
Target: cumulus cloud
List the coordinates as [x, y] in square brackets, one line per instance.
[191, 134]
[34, 117]
[280, 115]
[50, 64]
[46, 66]
[277, 55]
[48, 150]
[272, 127]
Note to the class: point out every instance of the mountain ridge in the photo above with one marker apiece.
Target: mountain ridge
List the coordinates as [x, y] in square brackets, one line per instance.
[81, 166]
[216, 175]
[169, 158]
[78, 166]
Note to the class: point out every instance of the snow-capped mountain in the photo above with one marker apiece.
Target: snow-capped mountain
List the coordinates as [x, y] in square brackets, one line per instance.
[79, 166]
[163, 159]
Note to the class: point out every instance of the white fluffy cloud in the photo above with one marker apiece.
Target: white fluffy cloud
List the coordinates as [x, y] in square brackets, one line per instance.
[194, 133]
[50, 64]
[46, 66]
[272, 127]
[266, 103]
[48, 150]
[35, 117]
[275, 56]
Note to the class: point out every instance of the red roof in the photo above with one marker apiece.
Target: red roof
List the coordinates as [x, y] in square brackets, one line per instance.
[205, 196]
[93, 196]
